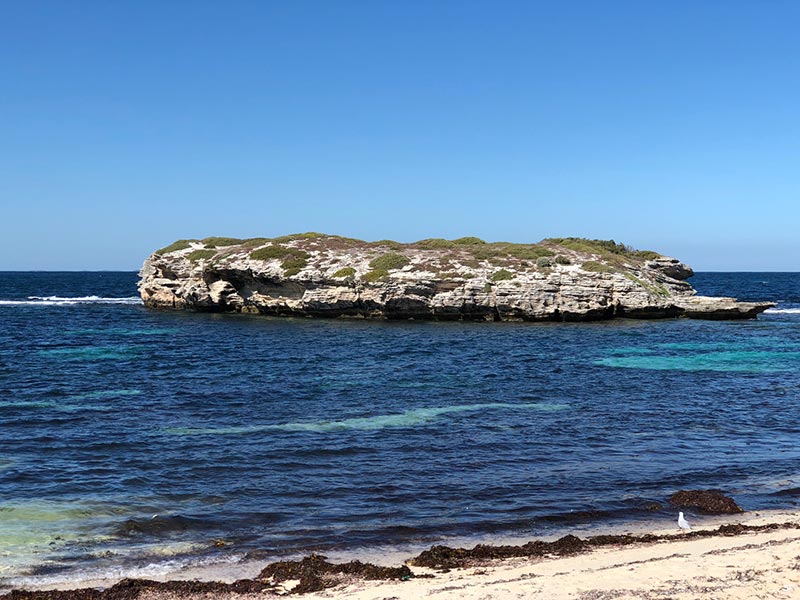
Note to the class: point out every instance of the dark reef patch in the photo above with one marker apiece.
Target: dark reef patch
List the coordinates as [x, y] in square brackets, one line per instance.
[159, 525]
[709, 502]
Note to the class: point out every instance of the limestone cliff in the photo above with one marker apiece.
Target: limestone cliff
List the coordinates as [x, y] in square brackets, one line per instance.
[565, 279]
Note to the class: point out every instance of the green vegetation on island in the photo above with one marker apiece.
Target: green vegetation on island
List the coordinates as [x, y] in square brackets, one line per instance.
[218, 242]
[175, 246]
[594, 266]
[389, 261]
[201, 254]
[445, 259]
[502, 275]
[602, 247]
[344, 272]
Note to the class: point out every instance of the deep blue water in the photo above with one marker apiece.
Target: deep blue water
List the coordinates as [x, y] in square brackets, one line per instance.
[130, 437]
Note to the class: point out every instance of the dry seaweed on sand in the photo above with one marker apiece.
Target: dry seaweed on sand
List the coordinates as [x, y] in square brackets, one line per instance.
[132, 589]
[316, 573]
[313, 573]
[444, 557]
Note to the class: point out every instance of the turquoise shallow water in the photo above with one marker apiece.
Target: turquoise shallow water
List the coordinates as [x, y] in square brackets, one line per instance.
[741, 360]
[410, 418]
[135, 440]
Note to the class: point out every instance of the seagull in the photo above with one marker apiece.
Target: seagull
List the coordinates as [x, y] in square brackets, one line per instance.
[683, 523]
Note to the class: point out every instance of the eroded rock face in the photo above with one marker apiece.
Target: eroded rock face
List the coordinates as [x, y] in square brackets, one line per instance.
[670, 267]
[329, 276]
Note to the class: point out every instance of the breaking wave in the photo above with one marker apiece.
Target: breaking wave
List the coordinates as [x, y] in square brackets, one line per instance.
[69, 301]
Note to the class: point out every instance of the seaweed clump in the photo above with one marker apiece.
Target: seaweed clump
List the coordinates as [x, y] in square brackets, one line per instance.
[132, 589]
[710, 502]
[445, 558]
[316, 573]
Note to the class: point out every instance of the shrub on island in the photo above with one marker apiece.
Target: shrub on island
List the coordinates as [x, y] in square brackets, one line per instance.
[603, 247]
[389, 261]
[468, 241]
[196, 255]
[375, 275]
[502, 275]
[434, 244]
[596, 267]
[175, 246]
[218, 242]
[294, 264]
[344, 272]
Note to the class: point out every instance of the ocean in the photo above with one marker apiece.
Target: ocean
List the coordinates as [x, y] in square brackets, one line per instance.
[135, 442]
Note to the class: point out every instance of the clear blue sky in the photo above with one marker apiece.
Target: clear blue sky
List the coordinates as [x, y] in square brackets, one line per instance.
[670, 125]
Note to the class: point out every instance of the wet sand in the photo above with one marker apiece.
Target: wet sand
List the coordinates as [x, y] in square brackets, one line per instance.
[749, 556]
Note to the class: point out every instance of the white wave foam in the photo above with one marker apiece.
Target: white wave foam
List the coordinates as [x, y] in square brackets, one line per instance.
[783, 311]
[69, 301]
[154, 566]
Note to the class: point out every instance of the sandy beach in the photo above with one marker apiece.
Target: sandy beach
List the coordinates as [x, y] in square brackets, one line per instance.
[749, 565]
[747, 556]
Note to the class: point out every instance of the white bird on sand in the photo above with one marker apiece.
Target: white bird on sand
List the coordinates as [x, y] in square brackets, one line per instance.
[683, 523]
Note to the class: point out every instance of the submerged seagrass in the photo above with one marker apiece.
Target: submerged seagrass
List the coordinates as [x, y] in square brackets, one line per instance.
[312, 274]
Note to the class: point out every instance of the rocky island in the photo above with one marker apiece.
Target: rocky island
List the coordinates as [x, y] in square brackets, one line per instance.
[319, 275]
